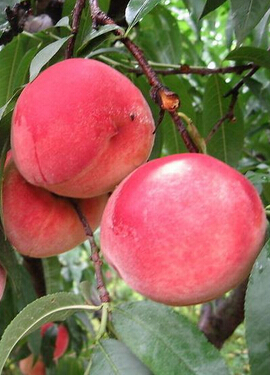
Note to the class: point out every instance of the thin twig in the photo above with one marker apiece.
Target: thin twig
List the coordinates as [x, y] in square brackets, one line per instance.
[166, 99]
[229, 115]
[241, 83]
[102, 291]
[186, 69]
[77, 12]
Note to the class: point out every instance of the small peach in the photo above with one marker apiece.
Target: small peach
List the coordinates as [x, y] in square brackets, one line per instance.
[39, 223]
[28, 367]
[62, 339]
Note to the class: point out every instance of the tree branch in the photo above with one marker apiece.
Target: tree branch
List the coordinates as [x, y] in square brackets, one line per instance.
[102, 291]
[186, 69]
[219, 323]
[77, 12]
[166, 99]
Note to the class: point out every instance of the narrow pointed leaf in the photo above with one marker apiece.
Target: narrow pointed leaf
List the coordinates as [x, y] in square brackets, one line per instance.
[45, 309]
[258, 56]
[211, 5]
[163, 339]
[137, 9]
[113, 357]
[246, 15]
[45, 56]
[227, 143]
[257, 314]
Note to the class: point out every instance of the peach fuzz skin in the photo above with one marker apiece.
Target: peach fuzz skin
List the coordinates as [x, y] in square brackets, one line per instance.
[29, 367]
[183, 229]
[3, 277]
[79, 128]
[38, 223]
[62, 339]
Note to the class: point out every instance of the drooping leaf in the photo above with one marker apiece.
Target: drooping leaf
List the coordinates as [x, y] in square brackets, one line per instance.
[165, 340]
[246, 15]
[113, 357]
[45, 56]
[227, 143]
[257, 307]
[137, 9]
[45, 309]
[256, 55]
[211, 5]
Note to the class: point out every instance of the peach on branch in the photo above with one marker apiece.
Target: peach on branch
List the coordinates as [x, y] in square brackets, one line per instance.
[39, 223]
[79, 128]
[183, 229]
[62, 339]
[29, 367]
[3, 276]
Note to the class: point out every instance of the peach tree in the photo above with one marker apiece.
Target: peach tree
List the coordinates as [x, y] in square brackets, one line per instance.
[90, 91]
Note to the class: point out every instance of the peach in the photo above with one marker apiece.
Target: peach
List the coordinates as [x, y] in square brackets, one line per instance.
[28, 367]
[183, 229]
[62, 339]
[39, 223]
[3, 277]
[79, 128]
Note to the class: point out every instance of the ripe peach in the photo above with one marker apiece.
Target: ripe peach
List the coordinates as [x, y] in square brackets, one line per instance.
[28, 367]
[39, 223]
[183, 229]
[3, 276]
[62, 339]
[79, 128]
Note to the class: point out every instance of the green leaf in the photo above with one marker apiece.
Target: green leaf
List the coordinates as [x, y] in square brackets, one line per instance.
[45, 309]
[258, 56]
[160, 37]
[261, 92]
[261, 31]
[63, 22]
[96, 34]
[163, 339]
[211, 5]
[246, 15]
[258, 177]
[45, 56]
[20, 279]
[227, 143]
[22, 74]
[10, 59]
[195, 8]
[52, 274]
[113, 357]
[257, 314]
[137, 9]
[69, 366]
